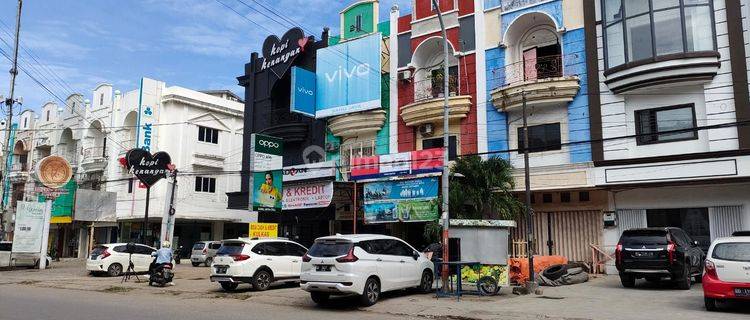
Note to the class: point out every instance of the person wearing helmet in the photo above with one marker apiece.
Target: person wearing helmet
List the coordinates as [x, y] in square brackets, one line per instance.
[163, 255]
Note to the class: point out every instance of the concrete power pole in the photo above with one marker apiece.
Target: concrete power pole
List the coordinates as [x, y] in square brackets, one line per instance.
[9, 102]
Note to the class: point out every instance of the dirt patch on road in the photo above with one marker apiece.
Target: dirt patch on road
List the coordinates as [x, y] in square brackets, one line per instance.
[117, 289]
[238, 296]
[29, 282]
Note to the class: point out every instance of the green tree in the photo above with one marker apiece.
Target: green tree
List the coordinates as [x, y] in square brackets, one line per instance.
[481, 189]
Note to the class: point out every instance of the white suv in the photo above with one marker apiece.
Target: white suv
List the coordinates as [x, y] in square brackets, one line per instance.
[364, 265]
[258, 262]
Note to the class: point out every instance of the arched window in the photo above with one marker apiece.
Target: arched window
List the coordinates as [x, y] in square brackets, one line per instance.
[644, 29]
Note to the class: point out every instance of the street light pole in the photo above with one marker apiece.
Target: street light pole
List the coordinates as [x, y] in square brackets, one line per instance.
[446, 144]
[9, 102]
[531, 285]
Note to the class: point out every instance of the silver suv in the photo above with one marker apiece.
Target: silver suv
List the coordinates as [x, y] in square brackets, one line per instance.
[204, 252]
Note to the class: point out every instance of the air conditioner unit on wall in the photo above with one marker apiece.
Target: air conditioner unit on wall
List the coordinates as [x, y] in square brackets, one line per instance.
[404, 75]
[426, 130]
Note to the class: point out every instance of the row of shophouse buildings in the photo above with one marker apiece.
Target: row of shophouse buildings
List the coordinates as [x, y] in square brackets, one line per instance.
[638, 114]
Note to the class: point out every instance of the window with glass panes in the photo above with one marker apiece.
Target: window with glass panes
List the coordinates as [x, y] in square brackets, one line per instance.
[205, 184]
[642, 29]
[667, 124]
[209, 135]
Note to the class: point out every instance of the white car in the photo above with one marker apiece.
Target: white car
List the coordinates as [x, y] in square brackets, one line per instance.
[364, 265]
[258, 262]
[727, 272]
[113, 259]
[9, 259]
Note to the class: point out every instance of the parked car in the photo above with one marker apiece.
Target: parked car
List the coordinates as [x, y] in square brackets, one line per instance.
[8, 259]
[658, 253]
[363, 265]
[113, 258]
[204, 252]
[727, 271]
[259, 262]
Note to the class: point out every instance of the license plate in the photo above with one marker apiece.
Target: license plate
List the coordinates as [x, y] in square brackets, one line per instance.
[742, 292]
[643, 254]
[323, 268]
[221, 270]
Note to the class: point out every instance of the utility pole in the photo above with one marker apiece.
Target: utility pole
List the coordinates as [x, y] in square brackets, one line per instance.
[531, 285]
[9, 102]
[446, 144]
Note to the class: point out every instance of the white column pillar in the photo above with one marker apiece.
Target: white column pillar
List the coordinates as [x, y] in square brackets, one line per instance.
[393, 81]
[481, 75]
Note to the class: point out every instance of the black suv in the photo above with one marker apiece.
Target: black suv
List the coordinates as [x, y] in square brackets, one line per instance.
[656, 253]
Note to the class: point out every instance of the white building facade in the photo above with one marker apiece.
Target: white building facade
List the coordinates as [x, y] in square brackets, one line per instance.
[202, 132]
[672, 142]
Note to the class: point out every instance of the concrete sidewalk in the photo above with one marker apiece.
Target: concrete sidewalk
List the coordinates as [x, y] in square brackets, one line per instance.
[601, 298]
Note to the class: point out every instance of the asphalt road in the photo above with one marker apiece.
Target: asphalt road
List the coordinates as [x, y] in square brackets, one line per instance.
[25, 302]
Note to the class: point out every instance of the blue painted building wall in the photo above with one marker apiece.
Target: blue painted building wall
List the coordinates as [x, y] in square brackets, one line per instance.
[574, 63]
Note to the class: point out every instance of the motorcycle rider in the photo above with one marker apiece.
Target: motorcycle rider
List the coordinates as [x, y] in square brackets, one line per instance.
[163, 256]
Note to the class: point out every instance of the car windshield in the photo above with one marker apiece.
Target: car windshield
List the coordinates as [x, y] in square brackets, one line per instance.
[327, 248]
[644, 237]
[230, 248]
[199, 246]
[732, 251]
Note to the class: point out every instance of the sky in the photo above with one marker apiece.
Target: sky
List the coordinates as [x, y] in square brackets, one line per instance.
[74, 45]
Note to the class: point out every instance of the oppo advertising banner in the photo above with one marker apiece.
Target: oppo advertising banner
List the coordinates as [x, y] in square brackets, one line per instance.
[27, 235]
[348, 77]
[267, 179]
[401, 200]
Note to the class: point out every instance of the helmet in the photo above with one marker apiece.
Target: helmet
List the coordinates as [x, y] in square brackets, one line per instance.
[166, 244]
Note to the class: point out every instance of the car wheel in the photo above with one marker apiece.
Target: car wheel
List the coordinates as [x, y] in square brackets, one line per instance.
[488, 286]
[319, 297]
[228, 286]
[208, 262]
[114, 269]
[262, 280]
[371, 293]
[195, 264]
[684, 280]
[710, 304]
[425, 285]
[628, 281]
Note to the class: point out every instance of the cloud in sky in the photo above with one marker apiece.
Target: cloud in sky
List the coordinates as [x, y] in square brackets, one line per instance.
[198, 44]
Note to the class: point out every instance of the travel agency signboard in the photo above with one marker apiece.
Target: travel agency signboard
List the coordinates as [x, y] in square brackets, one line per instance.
[401, 200]
[266, 165]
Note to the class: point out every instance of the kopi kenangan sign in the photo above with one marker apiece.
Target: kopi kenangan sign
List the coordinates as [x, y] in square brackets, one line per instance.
[278, 54]
[148, 168]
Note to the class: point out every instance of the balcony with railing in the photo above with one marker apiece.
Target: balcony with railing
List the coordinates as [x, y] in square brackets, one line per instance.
[429, 95]
[19, 172]
[538, 80]
[358, 124]
[94, 159]
[353, 150]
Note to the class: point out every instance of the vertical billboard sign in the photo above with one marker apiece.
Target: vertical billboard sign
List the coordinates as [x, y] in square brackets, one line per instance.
[302, 98]
[401, 200]
[9, 163]
[349, 77]
[266, 165]
[148, 101]
[27, 235]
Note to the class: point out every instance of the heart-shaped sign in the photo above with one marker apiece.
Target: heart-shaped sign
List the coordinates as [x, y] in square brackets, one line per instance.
[148, 168]
[279, 54]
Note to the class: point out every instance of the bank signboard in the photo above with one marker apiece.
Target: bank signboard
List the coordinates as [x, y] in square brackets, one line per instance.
[266, 165]
[349, 77]
[401, 200]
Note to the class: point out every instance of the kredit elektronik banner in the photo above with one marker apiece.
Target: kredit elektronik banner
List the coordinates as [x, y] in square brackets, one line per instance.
[348, 77]
[401, 200]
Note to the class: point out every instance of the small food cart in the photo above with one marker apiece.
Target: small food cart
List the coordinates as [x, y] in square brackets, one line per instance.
[485, 241]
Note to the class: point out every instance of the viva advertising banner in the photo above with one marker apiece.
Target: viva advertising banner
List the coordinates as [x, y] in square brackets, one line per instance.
[348, 77]
[302, 98]
[267, 163]
[308, 195]
[401, 200]
[27, 236]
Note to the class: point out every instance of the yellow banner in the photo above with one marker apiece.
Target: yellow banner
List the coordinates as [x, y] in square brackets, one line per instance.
[264, 230]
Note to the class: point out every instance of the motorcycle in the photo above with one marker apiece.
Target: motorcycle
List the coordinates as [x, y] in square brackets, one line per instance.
[177, 253]
[160, 274]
